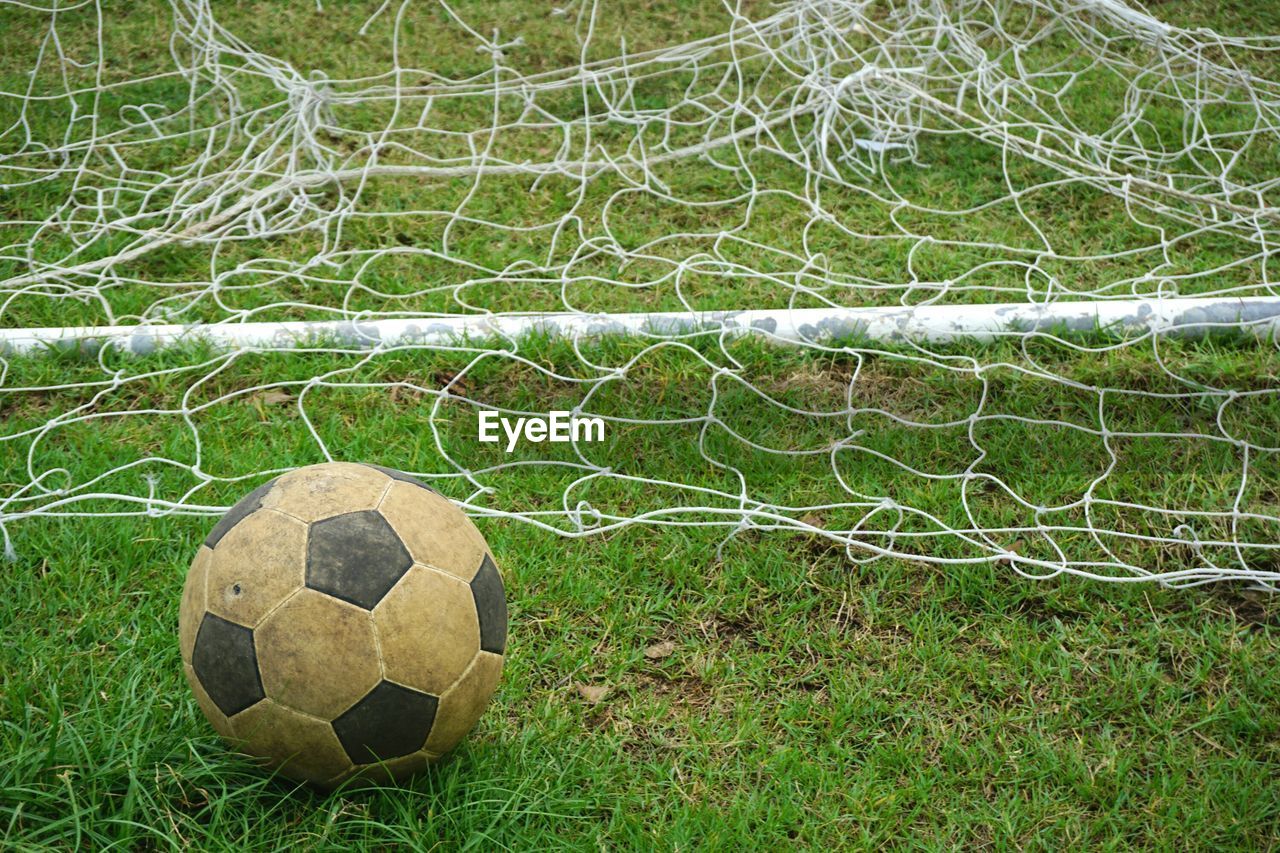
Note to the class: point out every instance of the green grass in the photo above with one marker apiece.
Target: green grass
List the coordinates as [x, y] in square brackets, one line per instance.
[805, 701]
[811, 700]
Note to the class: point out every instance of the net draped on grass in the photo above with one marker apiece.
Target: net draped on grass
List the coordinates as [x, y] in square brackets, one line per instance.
[165, 169]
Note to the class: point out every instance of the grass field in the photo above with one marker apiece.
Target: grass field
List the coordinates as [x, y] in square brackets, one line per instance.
[665, 687]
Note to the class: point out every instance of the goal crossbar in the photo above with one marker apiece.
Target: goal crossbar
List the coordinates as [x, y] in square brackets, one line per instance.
[1180, 317]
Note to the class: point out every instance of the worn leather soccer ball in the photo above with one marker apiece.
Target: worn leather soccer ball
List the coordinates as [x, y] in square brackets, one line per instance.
[343, 620]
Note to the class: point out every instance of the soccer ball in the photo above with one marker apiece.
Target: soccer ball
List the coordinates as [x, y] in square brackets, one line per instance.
[343, 620]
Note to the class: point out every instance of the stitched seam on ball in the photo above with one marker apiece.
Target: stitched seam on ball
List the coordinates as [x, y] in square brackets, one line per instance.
[287, 515]
[407, 687]
[282, 512]
[194, 681]
[462, 677]
[448, 574]
[288, 707]
[386, 490]
[204, 592]
[281, 603]
[203, 606]
[377, 636]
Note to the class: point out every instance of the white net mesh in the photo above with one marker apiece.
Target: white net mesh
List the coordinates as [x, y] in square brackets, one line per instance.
[812, 154]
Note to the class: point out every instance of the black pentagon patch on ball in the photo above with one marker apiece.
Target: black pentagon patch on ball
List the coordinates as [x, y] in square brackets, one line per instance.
[390, 721]
[399, 475]
[356, 557]
[243, 507]
[491, 607]
[227, 664]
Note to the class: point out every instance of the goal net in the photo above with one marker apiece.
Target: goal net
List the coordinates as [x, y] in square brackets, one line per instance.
[945, 281]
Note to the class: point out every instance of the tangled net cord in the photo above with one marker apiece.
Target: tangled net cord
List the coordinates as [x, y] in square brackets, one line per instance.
[843, 92]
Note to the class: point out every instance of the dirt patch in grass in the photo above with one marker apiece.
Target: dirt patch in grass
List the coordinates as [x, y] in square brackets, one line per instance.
[1255, 608]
